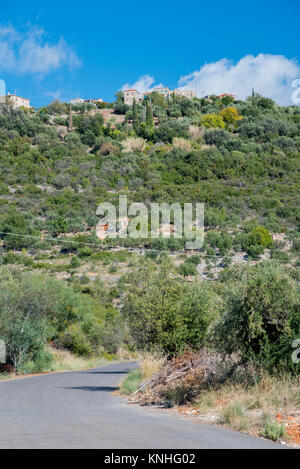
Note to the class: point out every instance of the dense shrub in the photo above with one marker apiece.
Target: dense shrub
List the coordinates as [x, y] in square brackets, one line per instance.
[217, 137]
[35, 309]
[164, 313]
[187, 268]
[262, 316]
[171, 129]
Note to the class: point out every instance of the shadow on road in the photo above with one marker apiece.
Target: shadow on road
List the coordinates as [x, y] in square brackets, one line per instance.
[93, 388]
[107, 372]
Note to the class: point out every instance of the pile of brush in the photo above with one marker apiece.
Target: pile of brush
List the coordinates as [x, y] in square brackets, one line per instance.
[183, 377]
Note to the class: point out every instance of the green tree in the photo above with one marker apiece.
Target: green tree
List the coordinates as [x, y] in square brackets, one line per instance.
[149, 115]
[187, 269]
[119, 106]
[261, 236]
[136, 117]
[17, 233]
[163, 312]
[24, 338]
[262, 316]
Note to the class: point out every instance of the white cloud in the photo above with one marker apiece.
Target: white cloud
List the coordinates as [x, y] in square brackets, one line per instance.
[30, 53]
[270, 75]
[55, 95]
[143, 84]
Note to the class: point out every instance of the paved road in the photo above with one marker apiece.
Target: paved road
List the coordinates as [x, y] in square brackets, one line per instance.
[78, 410]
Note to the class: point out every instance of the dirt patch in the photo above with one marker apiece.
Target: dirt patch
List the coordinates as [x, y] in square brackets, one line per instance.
[292, 426]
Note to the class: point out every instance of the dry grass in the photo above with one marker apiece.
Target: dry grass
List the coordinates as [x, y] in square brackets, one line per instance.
[134, 144]
[7, 376]
[264, 408]
[66, 361]
[182, 144]
[150, 363]
[234, 415]
[205, 146]
[280, 394]
[196, 132]
[126, 355]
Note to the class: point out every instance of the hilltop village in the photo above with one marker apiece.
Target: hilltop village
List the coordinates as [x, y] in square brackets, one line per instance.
[129, 97]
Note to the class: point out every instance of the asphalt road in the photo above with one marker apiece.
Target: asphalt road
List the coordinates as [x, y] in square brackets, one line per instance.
[78, 410]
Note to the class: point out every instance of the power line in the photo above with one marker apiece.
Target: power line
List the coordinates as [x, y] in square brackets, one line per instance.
[106, 247]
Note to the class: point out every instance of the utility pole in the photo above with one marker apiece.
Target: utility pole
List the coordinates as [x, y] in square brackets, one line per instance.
[71, 119]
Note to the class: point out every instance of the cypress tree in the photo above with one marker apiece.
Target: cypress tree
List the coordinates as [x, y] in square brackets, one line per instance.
[136, 123]
[149, 115]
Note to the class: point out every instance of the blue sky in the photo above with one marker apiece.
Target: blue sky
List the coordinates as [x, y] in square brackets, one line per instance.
[64, 49]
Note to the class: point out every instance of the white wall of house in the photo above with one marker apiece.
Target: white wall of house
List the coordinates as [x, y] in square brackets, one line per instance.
[15, 101]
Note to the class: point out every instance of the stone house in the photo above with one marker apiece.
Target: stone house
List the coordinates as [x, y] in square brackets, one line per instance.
[189, 94]
[130, 96]
[164, 90]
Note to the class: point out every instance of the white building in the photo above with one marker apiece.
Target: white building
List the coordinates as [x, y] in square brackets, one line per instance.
[15, 101]
[88, 101]
[95, 101]
[77, 101]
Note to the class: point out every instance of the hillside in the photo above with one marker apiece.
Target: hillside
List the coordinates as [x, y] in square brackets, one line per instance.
[241, 159]
[244, 167]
